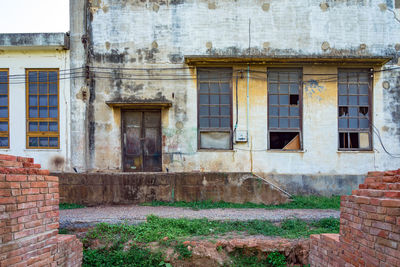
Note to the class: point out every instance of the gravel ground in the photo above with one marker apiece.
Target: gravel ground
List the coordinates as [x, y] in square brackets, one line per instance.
[135, 214]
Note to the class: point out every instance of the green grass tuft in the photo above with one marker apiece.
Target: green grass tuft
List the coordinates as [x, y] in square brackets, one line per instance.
[298, 202]
[69, 206]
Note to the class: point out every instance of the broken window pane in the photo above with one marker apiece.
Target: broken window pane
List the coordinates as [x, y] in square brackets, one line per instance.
[215, 105]
[294, 99]
[279, 140]
[363, 111]
[284, 109]
[343, 111]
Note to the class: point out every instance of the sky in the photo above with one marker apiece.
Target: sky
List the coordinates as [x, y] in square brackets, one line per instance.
[24, 16]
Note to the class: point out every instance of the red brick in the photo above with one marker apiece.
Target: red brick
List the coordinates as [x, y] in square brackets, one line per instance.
[38, 184]
[7, 200]
[30, 191]
[23, 159]
[391, 203]
[5, 192]
[34, 197]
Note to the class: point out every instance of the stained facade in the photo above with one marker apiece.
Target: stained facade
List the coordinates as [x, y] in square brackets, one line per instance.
[280, 88]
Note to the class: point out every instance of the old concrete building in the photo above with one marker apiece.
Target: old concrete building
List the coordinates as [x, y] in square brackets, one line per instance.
[304, 92]
[34, 97]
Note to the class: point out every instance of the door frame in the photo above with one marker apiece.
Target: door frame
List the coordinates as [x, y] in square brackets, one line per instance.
[124, 110]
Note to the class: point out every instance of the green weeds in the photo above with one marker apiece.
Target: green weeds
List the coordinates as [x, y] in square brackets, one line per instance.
[156, 228]
[298, 202]
[68, 206]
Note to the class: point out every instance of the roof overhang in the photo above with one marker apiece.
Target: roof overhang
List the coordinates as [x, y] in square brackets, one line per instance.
[136, 104]
[34, 41]
[361, 60]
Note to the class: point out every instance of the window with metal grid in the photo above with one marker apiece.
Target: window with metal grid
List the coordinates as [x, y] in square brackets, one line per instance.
[354, 109]
[4, 111]
[215, 108]
[284, 108]
[42, 108]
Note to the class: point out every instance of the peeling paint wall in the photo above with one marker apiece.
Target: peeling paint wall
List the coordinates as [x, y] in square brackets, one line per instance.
[118, 35]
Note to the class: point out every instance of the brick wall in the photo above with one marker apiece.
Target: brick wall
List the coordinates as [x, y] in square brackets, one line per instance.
[369, 226]
[29, 217]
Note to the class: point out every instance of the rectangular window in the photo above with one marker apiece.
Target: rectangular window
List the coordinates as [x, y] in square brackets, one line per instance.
[4, 112]
[42, 92]
[214, 108]
[354, 110]
[284, 108]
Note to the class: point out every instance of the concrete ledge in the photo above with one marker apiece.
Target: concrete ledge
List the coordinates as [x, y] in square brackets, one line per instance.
[35, 41]
[131, 188]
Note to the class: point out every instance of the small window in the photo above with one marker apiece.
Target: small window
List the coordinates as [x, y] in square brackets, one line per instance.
[354, 109]
[42, 109]
[215, 108]
[4, 109]
[284, 108]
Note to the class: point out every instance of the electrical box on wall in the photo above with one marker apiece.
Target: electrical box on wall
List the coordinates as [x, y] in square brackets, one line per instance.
[241, 137]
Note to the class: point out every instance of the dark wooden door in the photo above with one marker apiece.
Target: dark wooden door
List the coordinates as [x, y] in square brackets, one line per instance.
[141, 142]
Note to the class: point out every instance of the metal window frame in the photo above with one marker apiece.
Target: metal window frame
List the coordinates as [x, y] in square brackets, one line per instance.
[6, 133]
[276, 130]
[370, 107]
[215, 129]
[38, 134]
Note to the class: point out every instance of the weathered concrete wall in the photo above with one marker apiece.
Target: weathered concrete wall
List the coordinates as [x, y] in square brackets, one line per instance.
[17, 61]
[96, 189]
[159, 34]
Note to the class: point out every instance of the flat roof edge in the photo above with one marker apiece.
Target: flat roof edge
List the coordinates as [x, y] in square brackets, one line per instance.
[44, 41]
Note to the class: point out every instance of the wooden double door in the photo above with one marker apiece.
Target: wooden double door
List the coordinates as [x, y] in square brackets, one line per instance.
[141, 141]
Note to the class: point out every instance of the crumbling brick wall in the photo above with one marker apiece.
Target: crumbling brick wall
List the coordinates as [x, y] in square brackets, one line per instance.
[369, 226]
[29, 217]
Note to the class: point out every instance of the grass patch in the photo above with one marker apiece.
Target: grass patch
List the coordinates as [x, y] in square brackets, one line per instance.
[63, 231]
[114, 237]
[69, 206]
[156, 228]
[298, 202]
[135, 256]
[274, 259]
